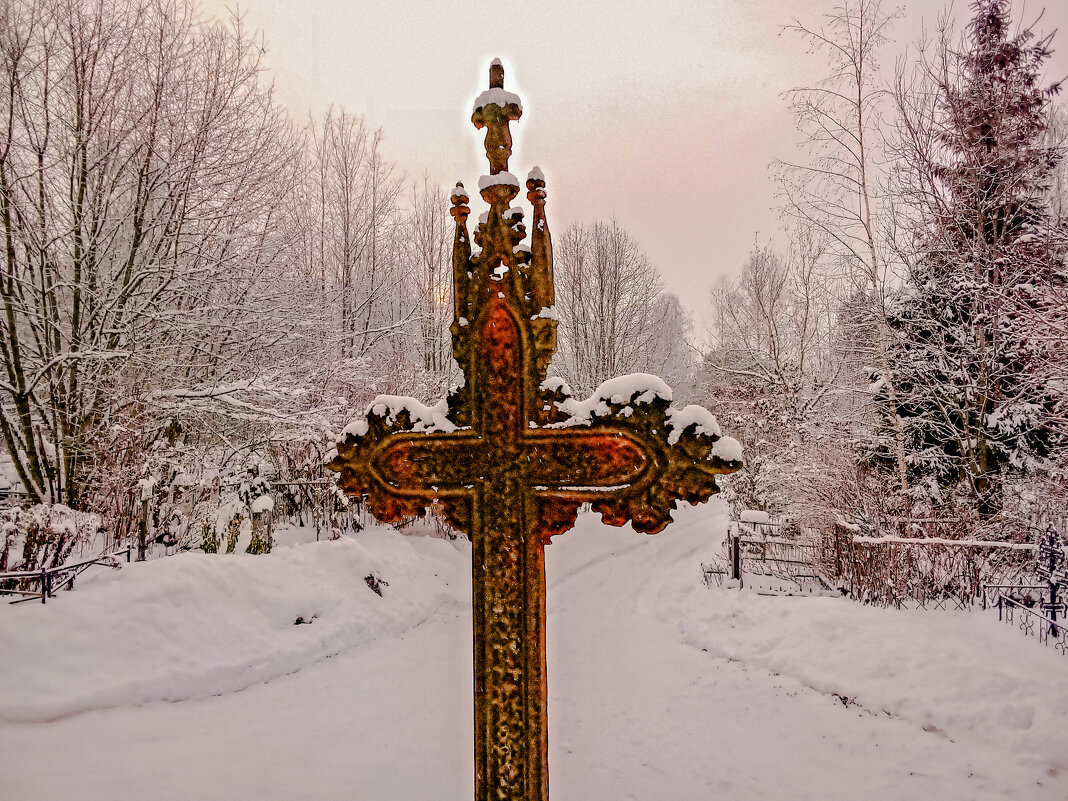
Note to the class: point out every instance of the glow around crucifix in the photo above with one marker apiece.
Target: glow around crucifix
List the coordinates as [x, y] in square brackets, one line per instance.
[510, 456]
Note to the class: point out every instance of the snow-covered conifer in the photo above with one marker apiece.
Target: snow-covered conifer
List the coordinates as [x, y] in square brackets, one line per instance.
[985, 261]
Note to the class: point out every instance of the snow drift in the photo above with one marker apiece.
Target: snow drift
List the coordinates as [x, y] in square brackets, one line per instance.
[196, 625]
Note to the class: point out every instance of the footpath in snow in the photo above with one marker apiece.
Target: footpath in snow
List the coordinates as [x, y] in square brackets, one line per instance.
[188, 678]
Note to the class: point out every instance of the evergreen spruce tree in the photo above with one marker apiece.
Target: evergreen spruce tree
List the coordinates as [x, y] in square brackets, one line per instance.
[985, 262]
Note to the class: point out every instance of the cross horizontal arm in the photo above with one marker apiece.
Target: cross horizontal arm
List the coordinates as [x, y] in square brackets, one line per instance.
[585, 464]
[569, 462]
[440, 463]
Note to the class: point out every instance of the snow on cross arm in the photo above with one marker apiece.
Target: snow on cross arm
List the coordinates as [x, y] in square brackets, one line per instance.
[423, 417]
[635, 388]
[497, 97]
[681, 419]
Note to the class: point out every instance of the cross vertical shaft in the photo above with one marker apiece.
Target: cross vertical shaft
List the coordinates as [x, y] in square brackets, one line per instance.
[508, 583]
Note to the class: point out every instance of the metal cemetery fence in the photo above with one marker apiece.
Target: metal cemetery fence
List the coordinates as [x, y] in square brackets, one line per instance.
[934, 568]
[1028, 583]
[1037, 611]
[1034, 623]
[753, 549]
[927, 572]
[51, 580]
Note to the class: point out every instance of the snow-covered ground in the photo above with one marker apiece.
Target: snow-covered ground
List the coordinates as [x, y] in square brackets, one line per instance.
[187, 678]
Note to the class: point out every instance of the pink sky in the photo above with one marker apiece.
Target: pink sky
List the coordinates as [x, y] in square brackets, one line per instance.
[665, 116]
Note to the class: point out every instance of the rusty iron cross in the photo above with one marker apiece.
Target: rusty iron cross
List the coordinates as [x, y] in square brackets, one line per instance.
[514, 456]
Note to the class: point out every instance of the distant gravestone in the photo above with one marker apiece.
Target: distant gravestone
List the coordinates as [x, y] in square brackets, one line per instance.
[509, 457]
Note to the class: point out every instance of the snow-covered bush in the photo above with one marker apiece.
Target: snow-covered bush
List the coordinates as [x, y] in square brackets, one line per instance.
[43, 535]
[243, 523]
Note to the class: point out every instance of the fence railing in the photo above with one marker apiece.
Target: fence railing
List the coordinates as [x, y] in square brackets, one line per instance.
[933, 572]
[12, 497]
[1029, 595]
[786, 560]
[1033, 623]
[53, 579]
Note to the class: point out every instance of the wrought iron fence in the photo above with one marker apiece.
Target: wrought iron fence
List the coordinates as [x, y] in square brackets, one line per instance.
[1033, 623]
[1029, 595]
[945, 571]
[798, 563]
[13, 497]
[932, 572]
[51, 580]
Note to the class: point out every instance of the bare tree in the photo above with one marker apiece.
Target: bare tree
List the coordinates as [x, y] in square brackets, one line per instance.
[614, 315]
[772, 367]
[836, 187]
[135, 167]
[352, 229]
[429, 237]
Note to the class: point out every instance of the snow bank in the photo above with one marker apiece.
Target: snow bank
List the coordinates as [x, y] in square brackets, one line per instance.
[194, 625]
[659, 687]
[962, 676]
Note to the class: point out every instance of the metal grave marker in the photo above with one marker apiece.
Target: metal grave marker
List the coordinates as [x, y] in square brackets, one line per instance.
[510, 456]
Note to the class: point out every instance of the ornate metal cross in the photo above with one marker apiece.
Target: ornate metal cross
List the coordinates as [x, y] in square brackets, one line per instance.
[510, 457]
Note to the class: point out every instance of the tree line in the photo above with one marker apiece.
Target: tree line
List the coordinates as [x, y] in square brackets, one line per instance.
[194, 282]
[903, 357]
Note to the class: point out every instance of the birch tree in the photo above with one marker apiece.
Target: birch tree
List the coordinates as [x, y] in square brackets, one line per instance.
[835, 187]
[429, 238]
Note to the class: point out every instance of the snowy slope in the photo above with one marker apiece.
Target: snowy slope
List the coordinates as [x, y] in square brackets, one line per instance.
[195, 625]
[659, 687]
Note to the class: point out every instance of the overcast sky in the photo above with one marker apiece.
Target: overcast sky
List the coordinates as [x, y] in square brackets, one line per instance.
[664, 115]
